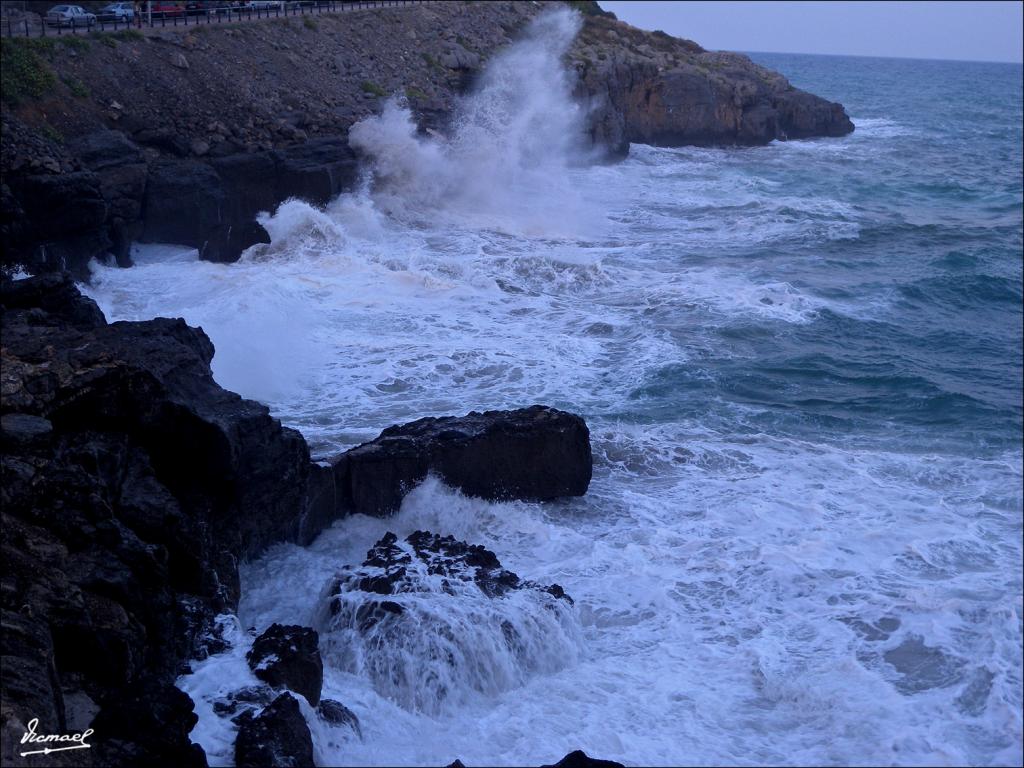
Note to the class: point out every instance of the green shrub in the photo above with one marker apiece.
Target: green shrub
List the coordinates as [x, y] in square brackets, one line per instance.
[78, 89]
[74, 42]
[369, 86]
[412, 92]
[52, 133]
[431, 61]
[310, 23]
[24, 75]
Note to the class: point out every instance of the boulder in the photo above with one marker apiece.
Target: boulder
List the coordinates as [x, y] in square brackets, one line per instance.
[580, 759]
[479, 626]
[534, 454]
[278, 736]
[150, 727]
[391, 567]
[336, 713]
[289, 657]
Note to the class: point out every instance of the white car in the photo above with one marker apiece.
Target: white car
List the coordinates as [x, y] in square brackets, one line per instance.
[264, 4]
[116, 12]
[69, 16]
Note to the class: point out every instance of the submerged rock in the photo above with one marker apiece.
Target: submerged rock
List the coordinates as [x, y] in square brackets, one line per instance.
[336, 713]
[580, 759]
[289, 656]
[277, 737]
[533, 454]
[430, 618]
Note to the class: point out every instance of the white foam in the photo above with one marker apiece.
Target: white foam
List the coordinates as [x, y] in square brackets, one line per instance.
[733, 586]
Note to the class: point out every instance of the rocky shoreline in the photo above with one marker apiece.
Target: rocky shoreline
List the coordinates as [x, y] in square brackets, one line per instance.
[133, 485]
[168, 146]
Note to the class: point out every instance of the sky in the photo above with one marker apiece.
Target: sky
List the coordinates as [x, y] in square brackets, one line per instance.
[972, 31]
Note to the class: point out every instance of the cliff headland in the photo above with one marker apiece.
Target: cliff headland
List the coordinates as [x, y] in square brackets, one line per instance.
[184, 134]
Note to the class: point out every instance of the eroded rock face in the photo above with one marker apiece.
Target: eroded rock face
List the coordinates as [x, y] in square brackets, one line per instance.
[533, 454]
[132, 485]
[651, 88]
[429, 618]
[278, 736]
[289, 657]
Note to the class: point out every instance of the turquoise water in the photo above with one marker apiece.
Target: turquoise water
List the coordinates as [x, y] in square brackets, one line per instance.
[801, 367]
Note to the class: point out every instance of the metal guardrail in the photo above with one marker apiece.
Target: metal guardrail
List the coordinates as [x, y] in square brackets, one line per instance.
[194, 17]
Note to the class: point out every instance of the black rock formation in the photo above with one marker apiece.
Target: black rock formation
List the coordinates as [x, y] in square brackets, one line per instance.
[534, 454]
[277, 737]
[132, 485]
[289, 657]
[336, 713]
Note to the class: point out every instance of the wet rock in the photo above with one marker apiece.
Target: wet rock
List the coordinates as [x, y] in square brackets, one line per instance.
[289, 656]
[61, 220]
[238, 703]
[651, 88]
[51, 299]
[534, 454]
[580, 759]
[429, 617]
[150, 726]
[278, 736]
[336, 713]
[392, 567]
[132, 485]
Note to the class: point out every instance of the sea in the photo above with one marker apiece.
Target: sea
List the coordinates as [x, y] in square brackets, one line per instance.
[801, 367]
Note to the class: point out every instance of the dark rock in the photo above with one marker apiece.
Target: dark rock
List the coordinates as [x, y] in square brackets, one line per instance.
[455, 764]
[23, 428]
[391, 566]
[651, 88]
[131, 485]
[278, 737]
[149, 726]
[336, 713]
[535, 454]
[183, 204]
[396, 600]
[580, 759]
[165, 139]
[54, 221]
[289, 656]
[243, 701]
[56, 296]
[105, 149]
[317, 170]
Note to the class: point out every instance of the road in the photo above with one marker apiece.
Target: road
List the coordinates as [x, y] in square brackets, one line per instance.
[23, 27]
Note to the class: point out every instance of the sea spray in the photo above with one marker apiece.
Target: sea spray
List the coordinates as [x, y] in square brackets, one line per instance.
[432, 623]
[512, 140]
[800, 365]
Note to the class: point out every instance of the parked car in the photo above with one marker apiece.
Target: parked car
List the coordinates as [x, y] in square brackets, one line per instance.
[166, 10]
[264, 4]
[116, 12]
[69, 16]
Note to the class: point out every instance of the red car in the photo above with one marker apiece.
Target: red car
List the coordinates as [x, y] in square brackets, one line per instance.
[164, 10]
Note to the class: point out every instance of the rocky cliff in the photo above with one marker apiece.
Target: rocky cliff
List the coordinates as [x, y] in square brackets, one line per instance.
[132, 487]
[183, 135]
[651, 88]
